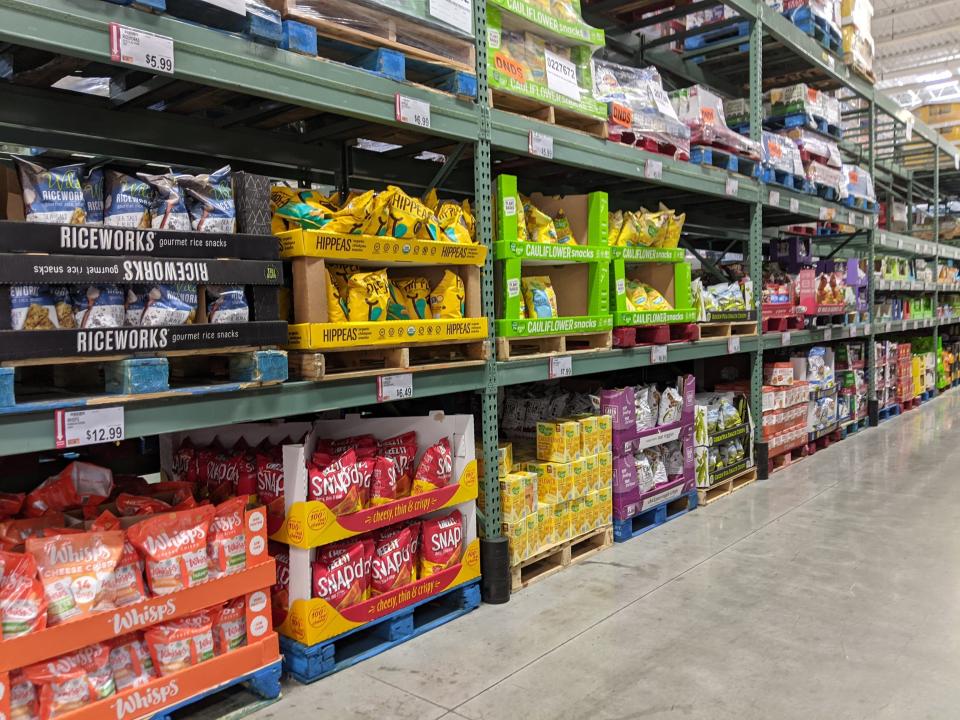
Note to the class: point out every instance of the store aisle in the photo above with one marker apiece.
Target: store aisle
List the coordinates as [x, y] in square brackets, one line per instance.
[828, 591]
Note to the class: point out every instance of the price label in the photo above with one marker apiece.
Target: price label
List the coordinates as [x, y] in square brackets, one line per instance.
[541, 145]
[141, 48]
[774, 198]
[823, 213]
[560, 366]
[561, 75]
[909, 128]
[866, 328]
[733, 344]
[899, 244]
[458, 13]
[852, 219]
[794, 205]
[658, 354]
[731, 187]
[73, 428]
[853, 331]
[510, 206]
[828, 334]
[883, 238]
[653, 170]
[412, 111]
[513, 287]
[784, 339]
[394, 387]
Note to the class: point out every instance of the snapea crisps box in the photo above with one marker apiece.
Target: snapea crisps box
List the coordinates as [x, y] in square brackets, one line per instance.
[604, 470]
[591, 466]
[561, 517]
[547, 524]
[558, 441]
[605, 431]
[578, 472]
[532, 529]
[512, 500]
[589, 434]
[517, 540]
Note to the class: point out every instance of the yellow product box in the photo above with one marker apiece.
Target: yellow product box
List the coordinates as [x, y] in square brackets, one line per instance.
[605, 430]
[591, 472]
[589, 509]
[604, 470]
[561, 518]
[578, 518]
[513, 505]
[554, 481]
[605, 505]
[547, 525]
[532, 530]
[504, 459]
[529, 490]
[558, 441]
[578, 471]
[589, 434]
[517, 541]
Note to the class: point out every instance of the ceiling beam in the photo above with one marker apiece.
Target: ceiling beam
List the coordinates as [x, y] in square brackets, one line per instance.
[930, 30]
[897, 89]
[917, 68]
[896, 13]
[928, 52]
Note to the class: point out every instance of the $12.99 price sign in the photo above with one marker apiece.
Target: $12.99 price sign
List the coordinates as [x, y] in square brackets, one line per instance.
[141, 48]
[73, 428]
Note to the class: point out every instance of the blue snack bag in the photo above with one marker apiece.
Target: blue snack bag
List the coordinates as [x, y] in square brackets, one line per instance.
[210, 201]
[127, 201]
[93, 196]
[98, 306]
[54, 195]
[226, 304]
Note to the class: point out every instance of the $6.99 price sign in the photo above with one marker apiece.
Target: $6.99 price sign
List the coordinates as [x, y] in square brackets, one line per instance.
[73, 428]
[139, 47]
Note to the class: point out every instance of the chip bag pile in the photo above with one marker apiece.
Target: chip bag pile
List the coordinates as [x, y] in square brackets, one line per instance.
[721, 297]
[361, 295]
[642, 297]
[644, 228]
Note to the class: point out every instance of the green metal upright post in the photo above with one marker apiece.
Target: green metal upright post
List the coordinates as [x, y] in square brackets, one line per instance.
[936, 260]
[910, 204]
[755, 249]
[873, 405]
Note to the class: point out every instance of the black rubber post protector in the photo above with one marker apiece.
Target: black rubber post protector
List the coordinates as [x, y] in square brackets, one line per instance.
[495, 570]
[763, 463]
[873, 412]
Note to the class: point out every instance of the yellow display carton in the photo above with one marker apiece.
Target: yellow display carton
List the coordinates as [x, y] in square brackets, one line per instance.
[604, 470]
[589, 433]
[513, 504]
[517, 540]
[558, 441]
[504, 459]
[532, 530]
[605, 431]
[591, 520]
[547, 525]
[561, 518]
[578, 471]
[605, 507]
[554, 481]
[591, 473]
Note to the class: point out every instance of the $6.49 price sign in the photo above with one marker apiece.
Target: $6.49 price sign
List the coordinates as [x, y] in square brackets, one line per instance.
[73, 428]
[394, 387]
[141, 48]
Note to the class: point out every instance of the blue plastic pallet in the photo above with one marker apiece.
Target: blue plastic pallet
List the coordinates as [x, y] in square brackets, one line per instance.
[852, 428]
[262, 26]
[704, 155]
[309, 663]
[890, 411]
[656, 516]
[826, 192]
[703, 40]
[803, 120]
[816, 27]
[265, 683]
[798, 183]
[861, 203]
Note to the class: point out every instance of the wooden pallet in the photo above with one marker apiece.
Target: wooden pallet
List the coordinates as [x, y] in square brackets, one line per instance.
[554, 559]
[728, 329]
[723, 488]
[535, 346]
[373, 361]
[548, 113]
[367, 26]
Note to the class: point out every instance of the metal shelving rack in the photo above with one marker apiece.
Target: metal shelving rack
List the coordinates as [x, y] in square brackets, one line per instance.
[351, 103]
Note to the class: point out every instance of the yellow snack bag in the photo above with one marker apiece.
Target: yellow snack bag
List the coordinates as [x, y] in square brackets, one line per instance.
[660, 221]
[453, 223]
[396, 214]
[368, 296]
[350, 218]
[447, 298]
[540, 226]
[541, 300]
[431, 200]
[614, 225]
[564, 231]
[416, 294]
[292, 208]
[636, 296]
[651, 226]
[340, 275]
[523, 308]
[397, 306]
[655, 301]
[629, 230]
[674, 228]
[468, 219]
[522, 234]
[336, 310]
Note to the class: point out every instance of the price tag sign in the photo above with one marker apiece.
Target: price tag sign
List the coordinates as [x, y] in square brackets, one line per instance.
[731, 187]
[733, 344]
[541, 145]
[561, 75]
[853, 331]
[899, 244]
[784, 339]
[458, 13]
[774, 198]
[653, 170]
[658, 354]
[853, 219]
[887, 326]
[412, 111]
[141, 48]
[560, 366]
[828, 334]
[866, 328]
[794, 205]
[823, 213]
[73, 428]
[394, 387]
[513, 287]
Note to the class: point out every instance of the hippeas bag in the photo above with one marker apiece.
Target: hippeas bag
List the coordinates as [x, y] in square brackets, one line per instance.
[447, 298]
[468, 219]
[396, 214]
[340, 275]
[540, 226]
[369, 295]
[431, 200]
[294, 208]
[453, 222]
[336, 309]
[350, 219]
[416, 295]
[397, 307]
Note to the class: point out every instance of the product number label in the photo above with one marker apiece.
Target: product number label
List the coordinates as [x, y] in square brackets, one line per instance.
[513, 287]
[733, 344]
[853, 331]
[394, 387]
[412, 111]
[658, 354]
[784, 339]
[866, 328]
[731, 187]
[794, 205]
[653, 170]
[540, 145]
[561, 75]
[828, 335]
[141, 48]
[560, 367]
[510, 206]
[774, 198]
[458, 13]
[73, 428]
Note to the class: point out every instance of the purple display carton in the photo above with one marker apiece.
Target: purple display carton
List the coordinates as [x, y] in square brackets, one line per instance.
[620, 405]
[627, 440]
[623, 509]
[627, 498]
[791, 252]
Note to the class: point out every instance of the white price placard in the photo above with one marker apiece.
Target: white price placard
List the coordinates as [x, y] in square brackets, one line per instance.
[784, 339]
[560, 366]
[899, 244]
[823, 213]
[458, 13]
[853, 331]
[887, 326]
[394, 387]
[866, 328]
[141, 48]
[653, 170]
[794, 205]
[513, 287]
[561, 75]
[909, 128]
[852, 219]
[731, 187]
[510, 206]
[733, 344]
[73, 428]
[621, 286]
[828, 334]
[412, 111]
[540, 144]
[658, 354]
[774, 198]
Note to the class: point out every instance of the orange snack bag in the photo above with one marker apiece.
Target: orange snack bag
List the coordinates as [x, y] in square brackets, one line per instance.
[73, 569]
[71, 681]
[79, 483]
[10, 504]
[130, 662]
[174, 547]
[229, 626]
[180, 643]
[128, 504]
[441, 543]
[24, 703]
[126, 585]
[23, 607]
[14, 532]
[226, 542]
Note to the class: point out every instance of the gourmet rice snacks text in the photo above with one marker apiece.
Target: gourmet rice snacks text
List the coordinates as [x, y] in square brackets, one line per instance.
[435, 468]
[130, 662]
[180, 643]
[74, 569]
[73, 680]
[229, 626]
[23, 606]
[79, 483]
[441, 543]
[226, 542]
[174, 548]
[395, 558]
[341, 573]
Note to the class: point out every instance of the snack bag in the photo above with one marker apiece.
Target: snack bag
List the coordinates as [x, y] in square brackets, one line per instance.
[655, 301]
[98, 306]
[269, 476]
[79, 483]
[522, 234]
[226, 542]
[540, 227]
[14, 532]
[125, 586]
[63, 304]
[671, 406]
[636, 296]
[363, 444]
[127, 201]
[435, 468]
[149, 305]
[73, 569]
[469, 220]
[564, 231]
[292, 208]
[229, 626]
[10, 504]
[629, 231]
[395, 558]
[32, 307]
[674, 228]
[130, 662]
[93, 196]
[23, 607]
[368, 296]
[442, 543]
[174, 547]
[54, 195]
[168, 211]
[403, 451]
[24, 703]
[396, 214]
[341, 573]
[614, 226]
[71, 681]
[209, 200]
[383, 482]
[335, 482]
[540, 299]
[416, 296]
[336, 307]
[397, 305]
[226, 304]
[350, 218]
[447, 298]
[180, 643]
[452, 218]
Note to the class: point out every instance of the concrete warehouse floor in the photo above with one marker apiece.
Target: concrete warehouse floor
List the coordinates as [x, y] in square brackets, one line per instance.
[828, 592]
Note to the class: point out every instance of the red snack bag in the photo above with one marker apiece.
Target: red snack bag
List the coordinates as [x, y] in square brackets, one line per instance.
[435, 468]
[73, 680]
[133, 484]
[24, 703]
[23, 607]
[269, 477]
[226, 542]
[280, 596]
[10, 504]
[229, 626]
[174, 546]
[340, 575]
[441, 543]
[74, 569]
[407, 438]
[404, 455]
[395, 560]
[128, 505]
[79, 483]
[126, 585]
[335, 484]
[52, 531]
[130, 662]
[246, 482]
[360, 443]
[184, 462]
[13, 533]
[180, 643]
[383, 481]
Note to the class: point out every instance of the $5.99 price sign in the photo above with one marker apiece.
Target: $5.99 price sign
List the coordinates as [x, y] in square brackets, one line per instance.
[141, 48]
[73, 428]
